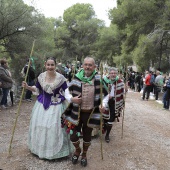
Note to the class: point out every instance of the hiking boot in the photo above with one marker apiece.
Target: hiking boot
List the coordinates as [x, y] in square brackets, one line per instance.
[7, 105]
[84, 162]
[3, 107]
[74, 159]
[107, 139]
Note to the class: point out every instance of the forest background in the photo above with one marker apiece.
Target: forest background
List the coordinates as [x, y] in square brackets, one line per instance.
[139, 34]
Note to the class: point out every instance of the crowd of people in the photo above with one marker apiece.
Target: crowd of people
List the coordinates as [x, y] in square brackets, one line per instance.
[69, 106]
[151, 82]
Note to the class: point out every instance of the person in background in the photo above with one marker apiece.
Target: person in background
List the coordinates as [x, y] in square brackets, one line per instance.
[141, 82]
[30, 80]
[6, 80]
[147, 87]
[166, 95]
[11, 93]
[137, 82]
[158, 84]
[72, 72]
[66, 71]
[131, 80]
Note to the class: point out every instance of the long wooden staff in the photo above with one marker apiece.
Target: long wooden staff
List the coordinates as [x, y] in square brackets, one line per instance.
[101, 98]
[15, 123]
[74, 68]
[124, 97]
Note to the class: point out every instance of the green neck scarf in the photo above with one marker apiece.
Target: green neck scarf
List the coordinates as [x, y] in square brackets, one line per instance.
[80, 75]
[107, 80]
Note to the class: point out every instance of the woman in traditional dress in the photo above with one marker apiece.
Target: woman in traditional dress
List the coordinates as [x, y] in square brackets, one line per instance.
[47, 138]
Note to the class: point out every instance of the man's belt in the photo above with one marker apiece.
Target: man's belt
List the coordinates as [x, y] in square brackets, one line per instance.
[86, 111]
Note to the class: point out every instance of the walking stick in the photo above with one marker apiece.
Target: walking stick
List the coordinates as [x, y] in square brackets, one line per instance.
[15, 123]
[101, 99]
[123, 115]
[74, 71]
[124, 97]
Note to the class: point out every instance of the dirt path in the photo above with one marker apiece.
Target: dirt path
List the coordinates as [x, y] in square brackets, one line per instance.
[145, 145]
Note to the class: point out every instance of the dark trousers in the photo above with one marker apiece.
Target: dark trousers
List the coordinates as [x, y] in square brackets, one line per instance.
[82, 126]
[5, 92]
[28, 92]
[157, 90]
[146, 90]
[165, 101]
[109, 123]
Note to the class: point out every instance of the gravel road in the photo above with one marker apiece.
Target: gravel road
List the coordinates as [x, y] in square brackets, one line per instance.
[145, 144]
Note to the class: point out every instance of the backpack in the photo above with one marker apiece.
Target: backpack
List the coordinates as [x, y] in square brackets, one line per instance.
[152, 80]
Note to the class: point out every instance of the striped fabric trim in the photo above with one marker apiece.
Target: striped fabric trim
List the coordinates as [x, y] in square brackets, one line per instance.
[76, 105]
[73, 121]
[110, 123]
[76, 92]
[97, 77]
[97, 96]
[95, 116]
[75, 82]
[73, 115]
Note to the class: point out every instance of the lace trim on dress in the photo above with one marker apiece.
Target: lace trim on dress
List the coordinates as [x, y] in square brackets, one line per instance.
[49, 87]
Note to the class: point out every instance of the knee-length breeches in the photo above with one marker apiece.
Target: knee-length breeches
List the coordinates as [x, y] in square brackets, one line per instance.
[82, 127]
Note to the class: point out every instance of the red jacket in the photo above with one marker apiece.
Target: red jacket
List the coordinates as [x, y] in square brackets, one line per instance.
[147, 80]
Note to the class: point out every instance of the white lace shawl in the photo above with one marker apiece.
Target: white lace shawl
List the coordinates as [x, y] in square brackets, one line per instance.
[49, 87]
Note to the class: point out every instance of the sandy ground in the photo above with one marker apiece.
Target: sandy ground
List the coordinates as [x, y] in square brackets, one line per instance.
[145, 144]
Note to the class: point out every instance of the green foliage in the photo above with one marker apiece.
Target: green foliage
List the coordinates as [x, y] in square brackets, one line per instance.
[78, 32]
[20, 26]
[145, 26]
[139, 34]
[78, 12]
[104, 45]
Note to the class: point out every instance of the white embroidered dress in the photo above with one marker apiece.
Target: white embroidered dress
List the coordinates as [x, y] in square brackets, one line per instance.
[46, 137]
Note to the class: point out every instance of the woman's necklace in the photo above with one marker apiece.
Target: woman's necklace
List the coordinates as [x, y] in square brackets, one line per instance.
[50, 78]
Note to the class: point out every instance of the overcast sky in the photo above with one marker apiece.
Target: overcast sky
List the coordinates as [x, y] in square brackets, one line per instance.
[55, 8]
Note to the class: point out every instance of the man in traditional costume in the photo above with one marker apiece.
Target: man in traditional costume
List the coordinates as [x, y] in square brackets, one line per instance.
[83, 114]
[115, 87]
